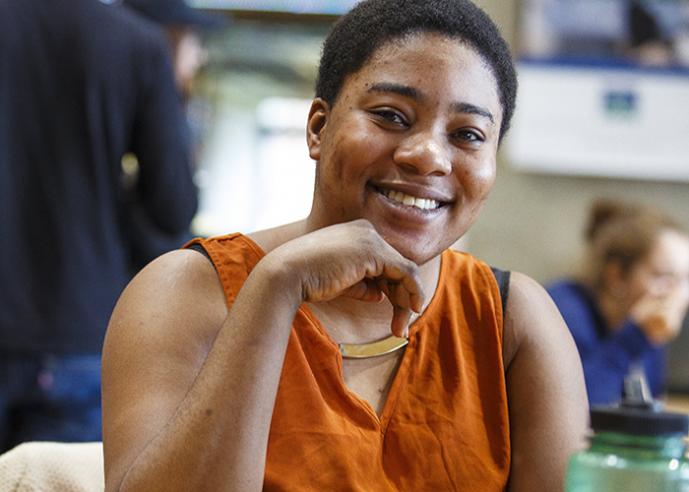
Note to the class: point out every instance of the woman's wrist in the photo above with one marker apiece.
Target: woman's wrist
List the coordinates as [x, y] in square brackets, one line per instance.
[279, 280]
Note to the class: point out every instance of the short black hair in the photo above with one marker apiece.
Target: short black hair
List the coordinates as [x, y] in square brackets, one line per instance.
[373, 23]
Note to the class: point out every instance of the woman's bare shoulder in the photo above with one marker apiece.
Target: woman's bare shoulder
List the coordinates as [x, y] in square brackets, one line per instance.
[545, 387]
[530, 316]
[159, 337]
[176, 299]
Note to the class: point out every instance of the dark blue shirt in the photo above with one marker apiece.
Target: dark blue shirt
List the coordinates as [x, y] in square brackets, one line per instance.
[607, 356]
[81, 84]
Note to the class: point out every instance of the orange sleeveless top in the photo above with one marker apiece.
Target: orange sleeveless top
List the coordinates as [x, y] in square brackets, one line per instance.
[445, 423]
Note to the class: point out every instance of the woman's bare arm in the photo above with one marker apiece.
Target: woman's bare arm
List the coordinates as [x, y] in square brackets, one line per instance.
[545, 384]
[185, 408]
[173, 417]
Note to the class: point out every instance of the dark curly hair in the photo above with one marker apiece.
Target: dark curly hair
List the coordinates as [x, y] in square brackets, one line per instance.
[373, 23]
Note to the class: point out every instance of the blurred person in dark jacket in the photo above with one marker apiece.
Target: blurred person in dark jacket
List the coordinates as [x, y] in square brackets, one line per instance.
[81, 84]
[183, 27]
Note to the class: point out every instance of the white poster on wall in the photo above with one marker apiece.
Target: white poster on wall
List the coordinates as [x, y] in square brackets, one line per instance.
[604, 89]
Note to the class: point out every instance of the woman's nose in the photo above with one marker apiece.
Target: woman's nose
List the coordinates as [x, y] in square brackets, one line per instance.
[425, 153]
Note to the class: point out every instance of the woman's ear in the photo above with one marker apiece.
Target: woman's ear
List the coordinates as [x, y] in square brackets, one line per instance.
[315, 126]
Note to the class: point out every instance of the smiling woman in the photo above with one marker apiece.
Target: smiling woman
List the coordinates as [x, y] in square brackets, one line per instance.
[223, 363]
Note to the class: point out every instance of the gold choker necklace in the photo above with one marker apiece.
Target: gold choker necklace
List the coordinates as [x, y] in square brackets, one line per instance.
[372, 349]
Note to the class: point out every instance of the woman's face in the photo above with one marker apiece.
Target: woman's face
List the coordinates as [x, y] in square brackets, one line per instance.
[664, 270]
[410, 144]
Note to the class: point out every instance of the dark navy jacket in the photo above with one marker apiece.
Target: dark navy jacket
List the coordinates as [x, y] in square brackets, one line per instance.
[81, 84]
[607, 357]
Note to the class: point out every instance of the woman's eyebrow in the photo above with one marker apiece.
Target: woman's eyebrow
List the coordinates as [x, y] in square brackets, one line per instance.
[412, 93]
[462, 107]
[402, 90]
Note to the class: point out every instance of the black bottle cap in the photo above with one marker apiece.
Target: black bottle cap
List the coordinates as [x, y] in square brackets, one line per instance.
[638, 421]
[638, 413]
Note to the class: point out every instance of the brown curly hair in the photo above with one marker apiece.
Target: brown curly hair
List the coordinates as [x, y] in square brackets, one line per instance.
[621, 232]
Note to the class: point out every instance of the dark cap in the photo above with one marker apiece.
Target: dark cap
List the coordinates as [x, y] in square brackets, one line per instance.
[638, 421]
[175, 12]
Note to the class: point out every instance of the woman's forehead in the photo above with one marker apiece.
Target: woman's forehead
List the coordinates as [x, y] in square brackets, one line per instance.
[430, 59]
[428, 40]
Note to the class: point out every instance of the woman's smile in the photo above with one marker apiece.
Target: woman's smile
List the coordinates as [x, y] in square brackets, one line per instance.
[427, 204]
[404, 202]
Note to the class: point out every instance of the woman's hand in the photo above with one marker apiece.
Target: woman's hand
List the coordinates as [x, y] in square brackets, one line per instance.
[353, 260]
[660, 316]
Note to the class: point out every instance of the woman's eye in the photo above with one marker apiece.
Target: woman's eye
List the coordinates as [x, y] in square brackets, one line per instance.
[468, 136]
[390, 116]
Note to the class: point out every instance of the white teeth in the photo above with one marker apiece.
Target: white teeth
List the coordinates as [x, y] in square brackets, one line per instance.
[412, 201]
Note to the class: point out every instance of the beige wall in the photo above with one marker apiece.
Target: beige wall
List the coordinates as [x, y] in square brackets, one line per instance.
[533, 223]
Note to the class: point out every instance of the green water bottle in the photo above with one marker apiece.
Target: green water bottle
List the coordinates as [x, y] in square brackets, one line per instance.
[634, 447]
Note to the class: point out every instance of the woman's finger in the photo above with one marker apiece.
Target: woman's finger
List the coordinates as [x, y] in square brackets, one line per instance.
[365, 290]
[407, 277]
[400, 321]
